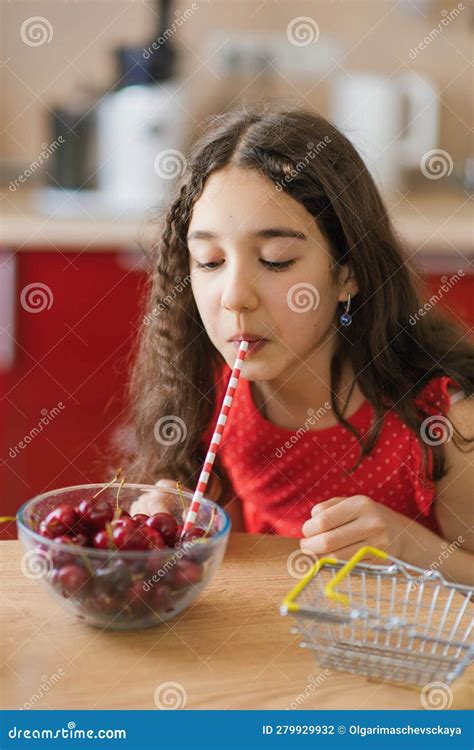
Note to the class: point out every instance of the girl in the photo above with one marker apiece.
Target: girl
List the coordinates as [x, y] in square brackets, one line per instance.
[351, 420]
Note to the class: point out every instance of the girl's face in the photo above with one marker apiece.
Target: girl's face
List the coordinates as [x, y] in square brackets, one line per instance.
[259, 265]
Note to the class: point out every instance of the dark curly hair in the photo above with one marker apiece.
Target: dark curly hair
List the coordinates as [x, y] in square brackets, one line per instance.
[176, 364]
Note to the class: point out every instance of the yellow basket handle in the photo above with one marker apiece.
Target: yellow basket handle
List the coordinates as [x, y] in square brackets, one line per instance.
[350, 564]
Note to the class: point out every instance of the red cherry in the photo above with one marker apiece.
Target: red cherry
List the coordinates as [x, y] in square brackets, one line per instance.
[127, 538]
[195, 532]
[80, 540]
[155, 539]
[61, 520]
[53, 578]
[154, 562]
[136, 597]
[186, 573]
[60, 557]
[165, 524]
[102, 540]
[113, 577]
[120, 535]
[121, 513]
[126, 523]
[73, 580]
[44, 531]
[101, 602]
[63, 540]
[140, 519]
[160, 597]
[179, 531]
[94, 515]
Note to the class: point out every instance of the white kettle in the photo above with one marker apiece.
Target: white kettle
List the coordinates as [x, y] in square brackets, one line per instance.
[391, 122]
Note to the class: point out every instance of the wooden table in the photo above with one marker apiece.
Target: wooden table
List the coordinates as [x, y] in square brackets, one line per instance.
[231, 650]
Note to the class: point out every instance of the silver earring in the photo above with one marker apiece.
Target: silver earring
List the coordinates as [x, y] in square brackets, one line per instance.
[346, 318]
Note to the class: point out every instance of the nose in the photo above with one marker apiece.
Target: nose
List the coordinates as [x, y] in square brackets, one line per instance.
[239, 291]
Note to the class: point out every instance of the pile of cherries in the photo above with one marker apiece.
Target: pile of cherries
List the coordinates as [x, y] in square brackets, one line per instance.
[122, 586]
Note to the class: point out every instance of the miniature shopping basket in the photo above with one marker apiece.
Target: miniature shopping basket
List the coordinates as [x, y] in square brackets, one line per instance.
[391, 622]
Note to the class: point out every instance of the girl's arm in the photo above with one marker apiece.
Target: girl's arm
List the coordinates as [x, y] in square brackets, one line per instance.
[454, 501]
[453, 509]
[341, 526]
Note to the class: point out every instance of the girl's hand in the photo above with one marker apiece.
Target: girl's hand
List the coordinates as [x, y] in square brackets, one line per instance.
[342, 525]
[160, 501]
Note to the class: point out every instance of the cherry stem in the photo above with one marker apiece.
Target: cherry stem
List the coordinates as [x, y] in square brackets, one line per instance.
[108, 529]
[178, 487]
[117, 474]
[211, 521]
[122, 482]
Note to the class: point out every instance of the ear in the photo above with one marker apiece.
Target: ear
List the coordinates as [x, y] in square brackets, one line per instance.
[347, 283]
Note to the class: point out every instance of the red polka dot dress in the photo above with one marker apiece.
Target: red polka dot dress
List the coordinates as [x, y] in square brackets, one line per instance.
[279, 474]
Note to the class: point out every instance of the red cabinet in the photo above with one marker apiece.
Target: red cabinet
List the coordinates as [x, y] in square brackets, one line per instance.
[63, 396]
[458, 301]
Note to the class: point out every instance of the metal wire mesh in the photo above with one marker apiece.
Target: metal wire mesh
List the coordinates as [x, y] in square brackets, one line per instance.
[400, 626]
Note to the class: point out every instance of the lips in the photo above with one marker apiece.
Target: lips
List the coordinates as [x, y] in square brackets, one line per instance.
[254, 346]
[246, 337]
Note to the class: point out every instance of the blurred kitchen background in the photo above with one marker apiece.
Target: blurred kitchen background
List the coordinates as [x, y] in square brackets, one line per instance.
[100, 99]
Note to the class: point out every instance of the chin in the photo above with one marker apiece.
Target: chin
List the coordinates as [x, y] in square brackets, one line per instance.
[262, 371]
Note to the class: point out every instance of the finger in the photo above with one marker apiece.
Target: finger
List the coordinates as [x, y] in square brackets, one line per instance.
[150, 503]
[335, 501]
[330, 542]
[345, 553]
[326, 504]
[159, 500]
[338, 514]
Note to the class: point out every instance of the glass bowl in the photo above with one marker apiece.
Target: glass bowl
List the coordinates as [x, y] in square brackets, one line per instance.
[118, 589]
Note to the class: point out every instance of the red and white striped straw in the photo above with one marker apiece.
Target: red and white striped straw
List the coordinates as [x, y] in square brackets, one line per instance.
[216, 438]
